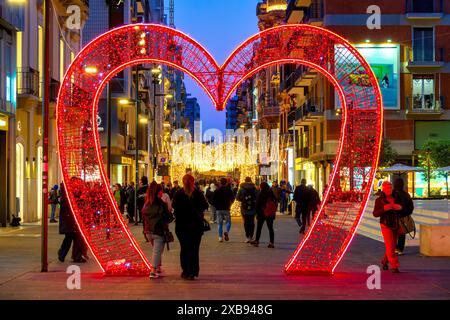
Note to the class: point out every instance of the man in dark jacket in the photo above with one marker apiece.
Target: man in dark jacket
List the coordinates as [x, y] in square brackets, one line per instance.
[301, 198]
[247, 196]
[141, 198]
[174, 190]
[223, 198]
[314, 203]
[68, 228]
[130, 202]
[408, 208]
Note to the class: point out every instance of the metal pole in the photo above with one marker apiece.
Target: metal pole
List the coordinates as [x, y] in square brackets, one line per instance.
[429, 172]
[295, 151]
[136, 148]
[154, 130]
[108, 119]
[45, 118]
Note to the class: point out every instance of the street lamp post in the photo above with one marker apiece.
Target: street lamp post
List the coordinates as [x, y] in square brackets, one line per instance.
[428, 171]
[157, 78]
[45, 119]
[136, 150]
[156, 74]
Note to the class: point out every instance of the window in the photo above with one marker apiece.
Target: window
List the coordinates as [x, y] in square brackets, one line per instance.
[314, 139]
[422, 6]
[423, 92]
[423, 44]
[40, 59]
[321, 136]
[10, 85]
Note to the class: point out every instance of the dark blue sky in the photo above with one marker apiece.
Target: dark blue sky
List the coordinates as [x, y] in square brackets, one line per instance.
[220, 26]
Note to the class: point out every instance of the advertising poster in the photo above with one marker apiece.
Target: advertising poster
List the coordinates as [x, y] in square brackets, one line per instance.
[385, 63]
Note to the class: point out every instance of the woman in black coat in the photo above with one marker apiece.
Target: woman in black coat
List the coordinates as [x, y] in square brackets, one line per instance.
[389, 207]
[189, 204]
[263, 197]
[68, 227]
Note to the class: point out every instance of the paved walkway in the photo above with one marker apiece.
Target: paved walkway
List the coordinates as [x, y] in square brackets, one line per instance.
[229, 270]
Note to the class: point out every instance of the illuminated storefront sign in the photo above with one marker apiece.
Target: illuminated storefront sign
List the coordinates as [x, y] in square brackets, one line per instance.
[3, 123]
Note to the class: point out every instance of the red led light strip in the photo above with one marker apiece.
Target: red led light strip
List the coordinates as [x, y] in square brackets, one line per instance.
[91, 200]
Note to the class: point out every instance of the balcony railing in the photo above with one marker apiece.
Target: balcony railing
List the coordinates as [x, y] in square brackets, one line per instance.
[425, 103]
[271, 111]
[421, 54]
[314, 105]
[424, 6]
[290, 81]
[28, 82]
[315, 12]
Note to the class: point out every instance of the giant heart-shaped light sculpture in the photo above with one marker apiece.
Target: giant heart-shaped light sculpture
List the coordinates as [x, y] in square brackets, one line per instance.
[91, 200]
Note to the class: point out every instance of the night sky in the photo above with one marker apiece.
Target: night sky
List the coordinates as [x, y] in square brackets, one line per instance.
[220, 26]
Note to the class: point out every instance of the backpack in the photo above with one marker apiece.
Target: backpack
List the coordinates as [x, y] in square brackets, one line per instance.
[270, 210]
[249, 200]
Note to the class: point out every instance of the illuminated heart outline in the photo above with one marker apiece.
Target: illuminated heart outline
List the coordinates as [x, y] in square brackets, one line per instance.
[92, 202]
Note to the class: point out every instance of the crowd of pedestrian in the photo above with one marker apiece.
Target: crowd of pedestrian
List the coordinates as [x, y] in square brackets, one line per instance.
[157, 205]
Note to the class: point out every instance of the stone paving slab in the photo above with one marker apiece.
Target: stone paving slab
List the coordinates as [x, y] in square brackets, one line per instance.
[229, 270]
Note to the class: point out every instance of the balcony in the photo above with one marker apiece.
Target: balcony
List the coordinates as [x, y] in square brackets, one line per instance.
[28, 82]
[424, 9]
[314, 14]
[314, 107]
[295, 12]
[142, 148]
[289, 84]
[424, 105]
[424, 60]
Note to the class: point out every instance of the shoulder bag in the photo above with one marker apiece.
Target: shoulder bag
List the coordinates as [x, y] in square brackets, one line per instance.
[407, 226]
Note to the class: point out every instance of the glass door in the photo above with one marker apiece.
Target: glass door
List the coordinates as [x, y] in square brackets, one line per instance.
[423, 93]
[423, 44]
[20, 178]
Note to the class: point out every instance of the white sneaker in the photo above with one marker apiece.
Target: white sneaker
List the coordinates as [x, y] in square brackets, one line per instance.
[220, 239]
[153, 275]
[248, 240]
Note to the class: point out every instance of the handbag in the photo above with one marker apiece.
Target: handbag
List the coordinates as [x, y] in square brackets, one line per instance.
[407, 225]
[168, 238]
[206, 226]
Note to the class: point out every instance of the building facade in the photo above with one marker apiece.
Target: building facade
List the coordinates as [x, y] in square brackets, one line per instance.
[27, 61]
[232, 113]
[11, 21]
[191, 114]
[409, 53]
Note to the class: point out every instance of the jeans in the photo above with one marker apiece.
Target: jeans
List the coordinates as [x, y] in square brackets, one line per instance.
[52, 217]
[283, 205]
[390, 242]
[249, 225]
[223, 215]
[213, 213]
[158, 248]
[260, 224]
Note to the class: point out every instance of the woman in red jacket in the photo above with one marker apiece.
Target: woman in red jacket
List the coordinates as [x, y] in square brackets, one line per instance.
[388, 207]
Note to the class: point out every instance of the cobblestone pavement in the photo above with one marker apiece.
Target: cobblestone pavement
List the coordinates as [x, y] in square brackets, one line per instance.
[229, 270]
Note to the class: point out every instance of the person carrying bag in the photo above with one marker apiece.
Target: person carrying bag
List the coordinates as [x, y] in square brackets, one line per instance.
[157, 219]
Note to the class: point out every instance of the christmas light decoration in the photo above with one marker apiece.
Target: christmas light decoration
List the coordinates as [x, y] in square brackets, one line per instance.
[90, 198]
